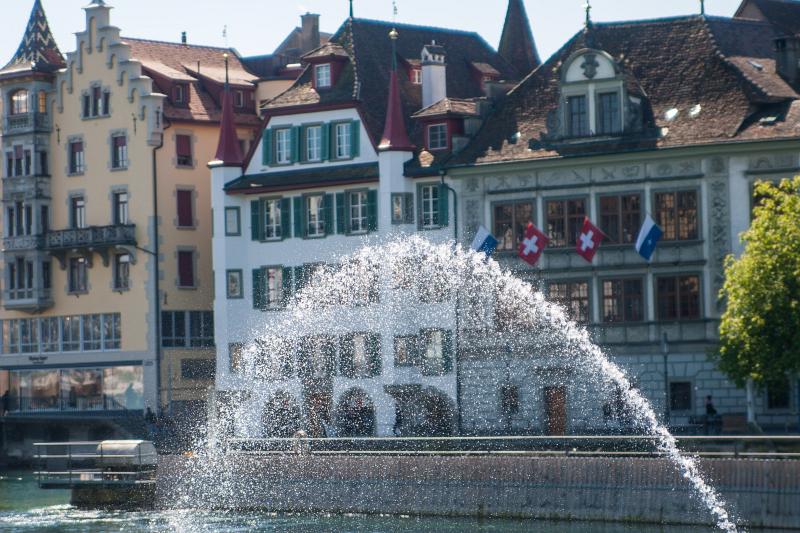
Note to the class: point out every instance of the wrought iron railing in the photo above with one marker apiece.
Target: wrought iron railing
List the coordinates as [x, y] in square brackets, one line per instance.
[23, 242]
[91, 237]
[65, 404]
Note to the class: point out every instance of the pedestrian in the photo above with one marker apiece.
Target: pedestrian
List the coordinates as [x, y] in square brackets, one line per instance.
[398, 420]
[5, 404]
[712, 418]
[710, 409]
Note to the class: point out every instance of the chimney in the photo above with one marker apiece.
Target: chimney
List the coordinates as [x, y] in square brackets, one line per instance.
[309, 36]
[184, 39]
[788, 58]
[434, 74]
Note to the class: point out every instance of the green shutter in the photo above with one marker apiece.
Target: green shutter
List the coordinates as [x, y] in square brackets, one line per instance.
[259, 289]
[288, 284]
[355, 138]
[374, 351]
[299, 279]
[419, 207]
[346, 367]
[327, 213]
[341, 214]
[372, 210]
[447, 352]
[286, 218]
[444, 205]
[295, 142]
[266, 147]
[256, 221]
[303, 144]
[325, 141]
[299, 233]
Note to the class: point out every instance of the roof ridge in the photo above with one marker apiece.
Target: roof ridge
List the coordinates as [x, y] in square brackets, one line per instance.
[402, 25]
[185, 45]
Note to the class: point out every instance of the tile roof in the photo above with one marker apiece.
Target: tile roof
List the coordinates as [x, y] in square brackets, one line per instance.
[721, 69]
[298, 179]
[452, 107]
[38, 50]
[516, 43]
[783, 14]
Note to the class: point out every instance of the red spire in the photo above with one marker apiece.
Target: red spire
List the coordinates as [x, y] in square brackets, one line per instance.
[228, 149]
[395, 137]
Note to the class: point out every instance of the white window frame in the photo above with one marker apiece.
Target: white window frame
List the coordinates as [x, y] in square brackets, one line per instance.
[430, 205]
[273, 291]
[357, 219]
[283, 146]
[314, 219]
[272, 220]
[441, 137]
[122, 272]
[416, 76]
[323, 76]
[314, 143]
[343, 135]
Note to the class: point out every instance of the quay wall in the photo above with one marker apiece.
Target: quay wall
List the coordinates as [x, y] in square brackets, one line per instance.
[760, 493]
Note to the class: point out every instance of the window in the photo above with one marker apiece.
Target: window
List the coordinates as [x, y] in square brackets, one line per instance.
[430, 206]
[360, 356]
[185, 199]
[510, 222]
[680, 396]
[623, 301]
[178, 94]
[678, 297]
[186, 270]
[96, 96]
[357, 202]
[435, 352]
[402, 208]
[47, 279]
[416, 76]
[233, 282]
[405, 350]
[119, 152]
[92, 331]
[112, 331]
[18, 162]
[236, 356]
[609, 121]
[201, 329]
[319, 357]
[76, 158]
[71, 333]
[283, 146]
[322, 73]
[437, 137]
[238, 98]
[121, 208]
[19, 102]
[564, 221]
[106, 103]
[173, 329]
[621, 217]
[180, 329]
[314, 143]
[342, 140]
[676, 214]
[577, 116]
[199, 369]
[574, 296]
[315, 216]
[183, 149]
[51, 336]
[78, 212]
[274, 287]
[42, 103]
[122, 272]
[77, 275]
[779, 394]
[233, 222]
[273, 219]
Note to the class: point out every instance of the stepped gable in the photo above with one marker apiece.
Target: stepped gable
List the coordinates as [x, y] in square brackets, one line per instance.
[783, 14]
[167, 62]
[38, 51]
[725, 66]
[517, 45]
[366, 76]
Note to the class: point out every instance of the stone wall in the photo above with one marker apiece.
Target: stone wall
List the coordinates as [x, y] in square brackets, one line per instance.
[759, 493]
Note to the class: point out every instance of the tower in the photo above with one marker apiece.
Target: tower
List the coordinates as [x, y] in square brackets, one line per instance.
[517, 45]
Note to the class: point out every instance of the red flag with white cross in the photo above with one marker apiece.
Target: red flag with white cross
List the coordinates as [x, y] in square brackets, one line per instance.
[532, 245]
[589, 240]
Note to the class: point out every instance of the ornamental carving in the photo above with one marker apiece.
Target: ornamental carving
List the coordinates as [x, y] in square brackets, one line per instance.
[472, 185]
[472, 213]
[720, 236]
[717, 165]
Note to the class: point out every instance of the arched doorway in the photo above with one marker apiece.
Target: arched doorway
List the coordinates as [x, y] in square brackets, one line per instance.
[281, 416]
[355, 415]
[423, 412]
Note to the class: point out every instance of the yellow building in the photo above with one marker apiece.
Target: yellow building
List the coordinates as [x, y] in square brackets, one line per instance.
[108, 289]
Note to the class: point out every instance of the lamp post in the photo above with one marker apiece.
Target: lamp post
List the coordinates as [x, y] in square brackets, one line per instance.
[665, 353]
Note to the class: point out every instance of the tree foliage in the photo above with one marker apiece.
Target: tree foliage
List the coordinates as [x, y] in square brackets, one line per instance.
[760, 329]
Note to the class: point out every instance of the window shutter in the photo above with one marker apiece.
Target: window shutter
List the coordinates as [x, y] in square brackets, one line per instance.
[355, 138]
[419, 208]
[299, 279]
[374, 350]
[409, 209]
[288, 285]
[444, 205]
[302, 151]
[266, 147]
[259, 289]
[183, 145]
[325, 141]
[298, 210]
[447, 352]
[286, 218]
[346, 367]
[372, 210]
[295, 142]
[256, 223]
[186, 269]
[341, 214]
[327, 213]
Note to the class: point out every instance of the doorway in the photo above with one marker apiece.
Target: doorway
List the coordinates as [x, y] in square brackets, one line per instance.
[555, 404]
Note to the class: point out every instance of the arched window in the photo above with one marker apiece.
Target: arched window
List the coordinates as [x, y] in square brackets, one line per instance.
[42, 107]
[19, 102]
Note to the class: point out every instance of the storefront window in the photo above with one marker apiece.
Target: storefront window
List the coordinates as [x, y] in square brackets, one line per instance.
[82, 389]
[124, 387]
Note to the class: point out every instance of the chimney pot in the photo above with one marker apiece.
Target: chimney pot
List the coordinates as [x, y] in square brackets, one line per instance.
[184, 39]
[309, 32]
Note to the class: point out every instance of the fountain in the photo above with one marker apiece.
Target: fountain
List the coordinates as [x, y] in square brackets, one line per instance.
[407, 283]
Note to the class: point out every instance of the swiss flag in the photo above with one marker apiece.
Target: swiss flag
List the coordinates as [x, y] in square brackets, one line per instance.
[532, 246]
[589, 240]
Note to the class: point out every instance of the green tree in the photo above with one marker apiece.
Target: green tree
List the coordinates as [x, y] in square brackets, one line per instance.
[760, 329]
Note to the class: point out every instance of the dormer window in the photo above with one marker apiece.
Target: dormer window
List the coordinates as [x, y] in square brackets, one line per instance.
[179, 94]
[238, 98]
[437, 137]
[609, 120]
[416, 76]
[578, 116]
[322, 76]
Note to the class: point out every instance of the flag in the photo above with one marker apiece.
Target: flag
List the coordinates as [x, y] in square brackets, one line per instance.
[484, 242]
[532, 246]
[589, 240]
[648, 239]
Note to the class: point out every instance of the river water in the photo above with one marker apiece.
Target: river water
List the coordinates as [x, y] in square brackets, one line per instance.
[25, 508]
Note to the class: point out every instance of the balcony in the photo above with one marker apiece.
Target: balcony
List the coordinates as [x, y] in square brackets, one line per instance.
[23, 242]
[26, 123]
[30, 300]
[98, 239]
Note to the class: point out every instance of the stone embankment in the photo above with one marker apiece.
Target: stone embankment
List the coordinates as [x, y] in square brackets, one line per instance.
[762, 493]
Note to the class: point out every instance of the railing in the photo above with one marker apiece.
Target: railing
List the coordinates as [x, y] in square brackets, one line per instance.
[27, 298]
[23, 242]
[65, 404]
[25, 122]
[759, 446]
[92, 237]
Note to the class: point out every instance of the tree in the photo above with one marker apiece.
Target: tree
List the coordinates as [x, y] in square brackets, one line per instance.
[760, 329]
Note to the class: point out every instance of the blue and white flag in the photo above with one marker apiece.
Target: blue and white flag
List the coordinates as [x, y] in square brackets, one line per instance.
[485, 242]
[648, 238]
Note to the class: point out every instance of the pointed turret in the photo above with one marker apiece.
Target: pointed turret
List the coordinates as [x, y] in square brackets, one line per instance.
[228, 149]
[395, 136]
[38, 50]
[516, 44]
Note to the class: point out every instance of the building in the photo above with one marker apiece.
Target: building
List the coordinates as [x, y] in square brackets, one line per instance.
[674, 117]
[352, 150]
[107, 301]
